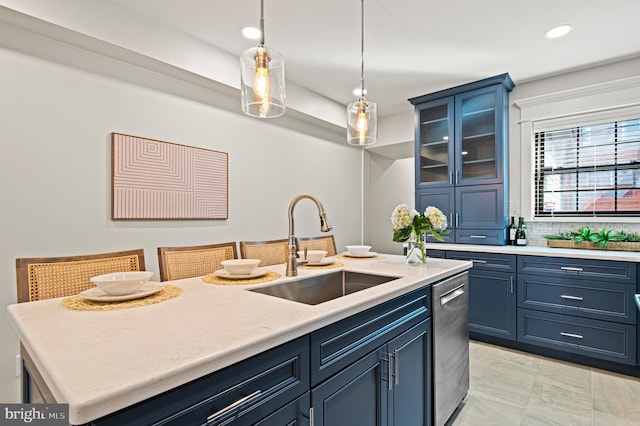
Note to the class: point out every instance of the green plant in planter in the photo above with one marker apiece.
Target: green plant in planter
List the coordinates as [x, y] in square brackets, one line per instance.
[583, 235]
[605, 236]
[560, 236]
[632, 237]
[602, 237]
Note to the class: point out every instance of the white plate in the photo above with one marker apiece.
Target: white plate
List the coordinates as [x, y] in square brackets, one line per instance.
[223, 273]
[98, 295]
[324, 262]
[370, 254]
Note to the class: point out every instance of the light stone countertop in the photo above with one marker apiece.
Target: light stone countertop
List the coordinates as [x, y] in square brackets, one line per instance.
[625, 256]
[102, 361]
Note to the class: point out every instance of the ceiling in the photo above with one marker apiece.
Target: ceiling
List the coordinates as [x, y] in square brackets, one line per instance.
[412, 47]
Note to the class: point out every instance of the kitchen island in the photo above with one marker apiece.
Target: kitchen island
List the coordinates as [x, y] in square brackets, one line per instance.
[103, 362]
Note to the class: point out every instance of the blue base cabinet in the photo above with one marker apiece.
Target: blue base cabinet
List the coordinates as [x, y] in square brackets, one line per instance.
[492, 293]
[577, 310]
[389, 386]
[375, 367]
[244, 393]
[579, 306]
[409, 359]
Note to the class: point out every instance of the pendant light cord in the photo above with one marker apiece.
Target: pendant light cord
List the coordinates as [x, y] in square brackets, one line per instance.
[362, 50]
[262, 22]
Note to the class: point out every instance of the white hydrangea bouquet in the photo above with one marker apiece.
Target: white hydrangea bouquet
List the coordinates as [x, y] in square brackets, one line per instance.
[409, 225]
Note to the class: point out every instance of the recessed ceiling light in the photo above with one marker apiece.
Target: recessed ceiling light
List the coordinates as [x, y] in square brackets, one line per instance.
[252, 33]
[559, 31]
[358, 92]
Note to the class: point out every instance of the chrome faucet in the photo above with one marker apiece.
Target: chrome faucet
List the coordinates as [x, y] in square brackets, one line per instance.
[292, 262]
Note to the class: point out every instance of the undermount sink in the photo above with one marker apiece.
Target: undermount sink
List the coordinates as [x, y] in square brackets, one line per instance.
[322, 288]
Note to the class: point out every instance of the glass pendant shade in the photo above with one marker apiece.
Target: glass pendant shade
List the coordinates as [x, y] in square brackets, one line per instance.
[262, 87]
[362, 122]
[262, 91]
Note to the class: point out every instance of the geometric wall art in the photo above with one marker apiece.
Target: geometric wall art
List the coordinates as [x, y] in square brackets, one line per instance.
[152, 179]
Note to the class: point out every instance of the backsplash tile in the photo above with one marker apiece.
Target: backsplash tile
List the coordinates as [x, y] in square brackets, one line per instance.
[536, 230]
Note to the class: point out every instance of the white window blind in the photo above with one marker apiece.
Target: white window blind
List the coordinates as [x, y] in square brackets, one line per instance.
[588, 170]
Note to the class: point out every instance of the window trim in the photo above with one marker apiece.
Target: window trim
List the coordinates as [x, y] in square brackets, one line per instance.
[600, 98]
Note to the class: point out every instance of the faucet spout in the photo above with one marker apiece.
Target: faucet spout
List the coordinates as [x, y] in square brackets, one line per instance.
[325, 226]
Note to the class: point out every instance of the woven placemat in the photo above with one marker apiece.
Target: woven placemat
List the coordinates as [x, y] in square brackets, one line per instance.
[214, 279]
[79, 303]
[376, 257]
[329, 266]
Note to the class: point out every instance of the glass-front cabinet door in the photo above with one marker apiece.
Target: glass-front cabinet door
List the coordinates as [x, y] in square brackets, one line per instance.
[479, 137]
[434, 152]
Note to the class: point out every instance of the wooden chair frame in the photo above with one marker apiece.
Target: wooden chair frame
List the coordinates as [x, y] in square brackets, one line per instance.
[81, 268]
[272, 252]
[196, 260]
[325, 242]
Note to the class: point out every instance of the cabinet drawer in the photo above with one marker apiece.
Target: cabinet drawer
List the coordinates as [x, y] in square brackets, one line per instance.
[490, 237]
[338, 345]
[247, 391]
[584, 269]
[438, 254]
[597, 339]
[592, 299]
[486, 261]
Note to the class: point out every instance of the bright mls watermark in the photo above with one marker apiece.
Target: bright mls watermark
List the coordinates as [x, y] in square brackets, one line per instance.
[34, 414]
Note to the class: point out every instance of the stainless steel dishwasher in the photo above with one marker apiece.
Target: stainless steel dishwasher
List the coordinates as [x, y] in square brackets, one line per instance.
[450, 316]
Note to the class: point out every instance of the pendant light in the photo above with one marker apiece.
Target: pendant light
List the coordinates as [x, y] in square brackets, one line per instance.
[362, 116]
[262, 73]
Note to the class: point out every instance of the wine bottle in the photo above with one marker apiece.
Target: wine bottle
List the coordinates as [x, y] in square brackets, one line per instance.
[512, 231]
[521, 233]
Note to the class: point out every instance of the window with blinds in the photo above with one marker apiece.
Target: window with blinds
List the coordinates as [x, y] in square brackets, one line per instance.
[588, 170]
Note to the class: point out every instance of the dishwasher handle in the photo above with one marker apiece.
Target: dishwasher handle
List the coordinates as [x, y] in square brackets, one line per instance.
[450, 295]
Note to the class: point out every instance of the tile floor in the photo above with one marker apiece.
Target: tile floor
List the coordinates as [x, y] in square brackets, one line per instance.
[509, 387]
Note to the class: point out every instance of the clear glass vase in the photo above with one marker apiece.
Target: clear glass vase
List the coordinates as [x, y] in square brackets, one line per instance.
[416, 251]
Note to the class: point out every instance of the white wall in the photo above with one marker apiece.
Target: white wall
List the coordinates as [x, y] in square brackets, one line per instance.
[391, 182]
[55, 124]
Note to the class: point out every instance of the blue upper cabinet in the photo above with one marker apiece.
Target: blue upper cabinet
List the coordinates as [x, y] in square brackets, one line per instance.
[479, 142]
[461, 144]
[434, 152]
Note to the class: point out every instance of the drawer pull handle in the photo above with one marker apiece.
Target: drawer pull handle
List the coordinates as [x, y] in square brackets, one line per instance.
[571, 269]
[478, 236]
[576, 336]
[215, 416]
[479, 261]
[566, 296]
